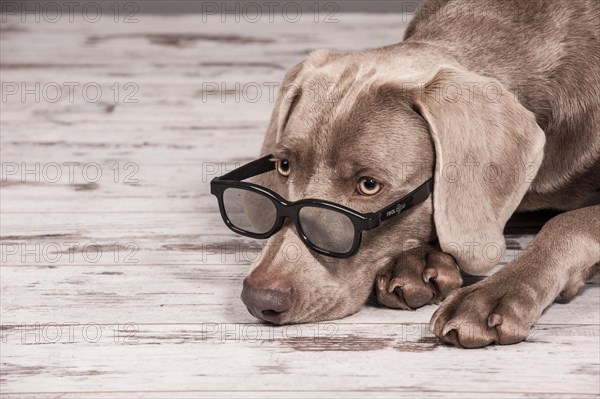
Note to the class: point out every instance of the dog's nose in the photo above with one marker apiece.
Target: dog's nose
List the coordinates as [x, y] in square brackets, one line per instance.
[266, 303]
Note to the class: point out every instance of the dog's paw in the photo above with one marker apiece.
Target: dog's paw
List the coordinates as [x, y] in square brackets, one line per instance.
[418, 277]
[492, 311]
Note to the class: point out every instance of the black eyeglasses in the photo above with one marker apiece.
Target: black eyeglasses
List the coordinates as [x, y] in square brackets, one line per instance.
[325, 227]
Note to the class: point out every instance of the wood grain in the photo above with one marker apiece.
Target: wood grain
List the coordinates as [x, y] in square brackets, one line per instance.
[128, 285]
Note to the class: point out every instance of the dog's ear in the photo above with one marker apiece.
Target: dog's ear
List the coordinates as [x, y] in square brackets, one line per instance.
[488, 149]
[287, 97]
[289, 94]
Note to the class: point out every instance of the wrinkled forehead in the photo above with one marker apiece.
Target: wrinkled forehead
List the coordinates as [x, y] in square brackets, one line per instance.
[349, 111]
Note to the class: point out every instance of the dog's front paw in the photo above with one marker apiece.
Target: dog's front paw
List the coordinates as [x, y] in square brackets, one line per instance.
[495, 310]
[420, 276]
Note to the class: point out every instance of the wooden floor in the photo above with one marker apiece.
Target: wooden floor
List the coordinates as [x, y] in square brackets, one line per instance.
[127, 284]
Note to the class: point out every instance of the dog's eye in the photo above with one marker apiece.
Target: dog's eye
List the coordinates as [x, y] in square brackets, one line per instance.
[368, 186]
[283, 167]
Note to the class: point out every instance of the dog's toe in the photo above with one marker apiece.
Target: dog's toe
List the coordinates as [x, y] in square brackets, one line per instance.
[418, 277]
[483, 314]
[387, 293]
[416, 294]
[443, 272]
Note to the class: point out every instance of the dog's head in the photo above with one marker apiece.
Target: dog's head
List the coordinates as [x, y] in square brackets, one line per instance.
[397, 116]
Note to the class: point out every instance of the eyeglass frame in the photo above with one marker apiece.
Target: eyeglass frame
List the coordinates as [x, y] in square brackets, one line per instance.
[291, 209]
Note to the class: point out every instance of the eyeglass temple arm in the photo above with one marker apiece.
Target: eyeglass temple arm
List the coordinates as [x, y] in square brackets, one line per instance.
[419, 195]
[261, 165]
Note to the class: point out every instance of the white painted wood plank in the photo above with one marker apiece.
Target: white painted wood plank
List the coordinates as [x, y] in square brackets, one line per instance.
[193, 237]
[176, 289]
[186, 294]
[140, 261]
[301, 359]
[170, 77]
[283, 394]
[146, 145]
[185, 146]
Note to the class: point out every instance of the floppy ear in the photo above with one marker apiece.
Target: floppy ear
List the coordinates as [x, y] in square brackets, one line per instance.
[290, 92]
[287, 96]
[287, 91]
[488, 149]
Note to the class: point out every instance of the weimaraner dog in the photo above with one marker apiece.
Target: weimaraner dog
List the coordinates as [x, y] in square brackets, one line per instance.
[499, 102]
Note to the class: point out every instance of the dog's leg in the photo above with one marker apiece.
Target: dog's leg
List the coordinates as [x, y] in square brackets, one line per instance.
[419, 276]
[503, 308]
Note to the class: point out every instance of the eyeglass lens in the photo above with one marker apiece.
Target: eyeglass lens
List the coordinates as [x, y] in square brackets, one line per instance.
[249, 211]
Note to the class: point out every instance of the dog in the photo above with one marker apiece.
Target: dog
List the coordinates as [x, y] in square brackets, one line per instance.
[499, 101]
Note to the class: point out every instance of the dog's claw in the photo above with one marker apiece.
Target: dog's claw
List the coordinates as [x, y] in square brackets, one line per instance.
[429, 274]
[494, 320]
[395, 283]
[386, 294]
[450, 335]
